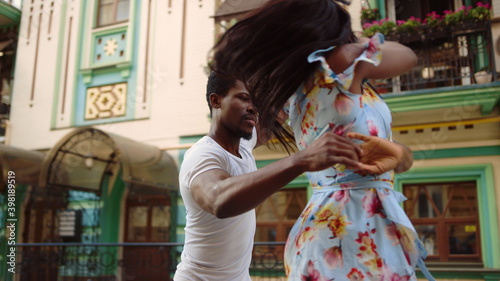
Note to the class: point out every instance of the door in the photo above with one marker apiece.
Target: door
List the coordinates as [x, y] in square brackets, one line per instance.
[147, 220]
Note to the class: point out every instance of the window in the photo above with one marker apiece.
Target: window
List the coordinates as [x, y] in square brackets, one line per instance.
[275, 218]
[446, 218]
[112, 11]
[420, 8]
[276, 215]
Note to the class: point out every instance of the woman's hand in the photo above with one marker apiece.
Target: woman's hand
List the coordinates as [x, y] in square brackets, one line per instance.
[380, 155]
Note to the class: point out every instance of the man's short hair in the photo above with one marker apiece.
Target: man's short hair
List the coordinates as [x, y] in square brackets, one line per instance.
[218, 85]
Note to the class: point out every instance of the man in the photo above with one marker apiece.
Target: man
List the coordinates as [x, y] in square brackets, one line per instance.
[221, 186]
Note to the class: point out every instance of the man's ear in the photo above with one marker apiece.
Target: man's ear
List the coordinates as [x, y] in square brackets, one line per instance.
[215, 100]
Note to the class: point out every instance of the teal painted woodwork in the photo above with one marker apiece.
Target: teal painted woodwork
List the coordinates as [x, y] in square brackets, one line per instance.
[113, 60]
[109, 48]
[487, 96]
[456, 152]
[10, 12]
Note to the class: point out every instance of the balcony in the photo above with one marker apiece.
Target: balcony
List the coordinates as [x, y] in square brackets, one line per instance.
[448, 56]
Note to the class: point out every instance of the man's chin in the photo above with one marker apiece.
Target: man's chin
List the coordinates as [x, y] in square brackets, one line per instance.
[247, 136]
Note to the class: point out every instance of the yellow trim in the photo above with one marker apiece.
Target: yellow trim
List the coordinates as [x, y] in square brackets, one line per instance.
[446, 124]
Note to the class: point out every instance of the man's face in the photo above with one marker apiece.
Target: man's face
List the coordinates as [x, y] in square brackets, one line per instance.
[238, 114]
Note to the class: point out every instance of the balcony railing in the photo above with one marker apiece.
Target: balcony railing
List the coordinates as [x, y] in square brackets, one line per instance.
[447, 56]
[157, 261]
[122, 261]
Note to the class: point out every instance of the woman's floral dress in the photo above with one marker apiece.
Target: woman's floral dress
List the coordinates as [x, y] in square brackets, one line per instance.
[353, 227]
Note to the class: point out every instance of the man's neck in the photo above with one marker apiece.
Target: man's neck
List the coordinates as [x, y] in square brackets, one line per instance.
[229, 142]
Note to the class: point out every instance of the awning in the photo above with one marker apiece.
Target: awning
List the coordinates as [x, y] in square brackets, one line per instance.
[4, 44]
[25, 164]
[232, 9]
[87, 156]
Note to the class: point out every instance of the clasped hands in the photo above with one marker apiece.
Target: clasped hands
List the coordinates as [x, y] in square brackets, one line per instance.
[374, 155]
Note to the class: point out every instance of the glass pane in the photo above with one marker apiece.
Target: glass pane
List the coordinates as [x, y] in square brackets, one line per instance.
[122, 10]
[423, 201]
[462, 239]
[137, 224]
[266, 211]
[285, 205]
[106, 15]
[265, 234]
[160, 222]
[428, 236]
[279, 212]
[463, 201]
[297, 205]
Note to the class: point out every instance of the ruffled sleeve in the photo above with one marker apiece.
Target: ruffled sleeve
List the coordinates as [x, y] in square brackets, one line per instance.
[372, 54]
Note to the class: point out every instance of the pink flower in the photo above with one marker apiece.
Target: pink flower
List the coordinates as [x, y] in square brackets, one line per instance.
[333, 257]
[372, 204]
[312, 274]
[343, 104]
[372, 128]
[355, 275]
[341, 196]
[367, 25]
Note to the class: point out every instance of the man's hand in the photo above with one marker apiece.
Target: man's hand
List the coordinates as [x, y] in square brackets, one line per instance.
[380, 155]
[328, 150]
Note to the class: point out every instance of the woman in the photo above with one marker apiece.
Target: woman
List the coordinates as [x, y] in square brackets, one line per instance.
[301, 56]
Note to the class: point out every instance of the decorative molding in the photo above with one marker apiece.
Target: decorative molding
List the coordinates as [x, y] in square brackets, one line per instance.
[486, 96]
[109, 47]
[183, 40]
[66, 63]
[106, 101]
[37, 49]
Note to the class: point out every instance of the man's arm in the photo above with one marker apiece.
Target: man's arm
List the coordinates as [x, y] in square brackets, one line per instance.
[216, 192]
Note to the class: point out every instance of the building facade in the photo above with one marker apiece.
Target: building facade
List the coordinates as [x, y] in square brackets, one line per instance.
[102, 98]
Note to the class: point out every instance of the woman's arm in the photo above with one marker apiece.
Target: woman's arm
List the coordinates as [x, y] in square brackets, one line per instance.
[396, 60]
[380, 155]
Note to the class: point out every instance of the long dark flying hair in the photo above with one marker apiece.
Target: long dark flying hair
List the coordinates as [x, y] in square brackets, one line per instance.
[268, 51]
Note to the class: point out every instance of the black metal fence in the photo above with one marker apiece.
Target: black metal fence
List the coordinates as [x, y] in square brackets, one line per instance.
[460, 55]
[123, 261]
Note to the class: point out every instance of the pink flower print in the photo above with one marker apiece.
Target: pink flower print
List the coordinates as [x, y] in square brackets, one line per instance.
[307, 234]
[367, 245]
[306, 213]
[397, 277]
[341, 196]
[343, 104]
[312, 274]
[355, 275]
[340, 130]
[348, 185]
[402, 236]
[338, 224]
[372, 128]
[387, 274]
[372, 204]
[333, 257]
